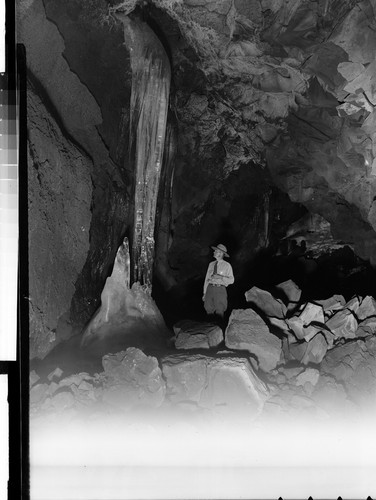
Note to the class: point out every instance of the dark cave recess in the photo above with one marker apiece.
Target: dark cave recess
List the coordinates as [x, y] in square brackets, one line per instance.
[339, 272]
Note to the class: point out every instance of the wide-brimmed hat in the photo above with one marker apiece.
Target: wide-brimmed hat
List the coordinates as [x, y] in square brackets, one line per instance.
[222, 248]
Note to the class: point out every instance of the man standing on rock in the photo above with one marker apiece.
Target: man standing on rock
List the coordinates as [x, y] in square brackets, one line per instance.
[218, 276]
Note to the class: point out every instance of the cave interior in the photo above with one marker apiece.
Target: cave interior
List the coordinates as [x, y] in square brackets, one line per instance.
[175, 125]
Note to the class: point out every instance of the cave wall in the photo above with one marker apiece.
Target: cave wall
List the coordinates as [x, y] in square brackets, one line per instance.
[60, 191]
[86, 95]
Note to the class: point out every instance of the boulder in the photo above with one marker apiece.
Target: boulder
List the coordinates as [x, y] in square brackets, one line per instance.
[75, 379]
[57, 373]
[366, 327]
[290, 373]
[310, 375]
[132, 380]
[292, 292]
[38, 393]
[343, 324]
[62, 401]
[194, 335]
[353, 304]
[312, 312]
[266, 303]
[332, 304]
[330, 395]
[247, 331]
[295, 323]
[354, 365]
[224, 384]
[367, 308]
[309, 352]
[33, 378]
[311, 331]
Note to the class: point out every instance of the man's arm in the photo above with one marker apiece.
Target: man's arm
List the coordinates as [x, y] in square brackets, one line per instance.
[225, 274]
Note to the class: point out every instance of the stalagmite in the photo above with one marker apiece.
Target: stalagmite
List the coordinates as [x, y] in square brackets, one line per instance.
[127, 317]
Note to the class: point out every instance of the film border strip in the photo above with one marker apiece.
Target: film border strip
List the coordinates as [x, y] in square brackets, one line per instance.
[9, 216]
[14, 435]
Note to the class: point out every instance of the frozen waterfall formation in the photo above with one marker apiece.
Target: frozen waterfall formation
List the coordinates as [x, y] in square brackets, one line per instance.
[151, 75]
[130, 313]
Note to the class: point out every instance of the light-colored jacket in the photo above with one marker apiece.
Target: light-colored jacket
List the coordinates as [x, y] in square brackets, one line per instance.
[224, 275]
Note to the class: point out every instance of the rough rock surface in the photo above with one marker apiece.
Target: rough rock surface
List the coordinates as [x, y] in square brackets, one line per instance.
[265, 302]
[353, 364]
[367, 308]
[224, 384]
[247, 331]
[343, 324]
[292, 293]
[60, 190]
[133, 380]
[194, 335]
[308, 352]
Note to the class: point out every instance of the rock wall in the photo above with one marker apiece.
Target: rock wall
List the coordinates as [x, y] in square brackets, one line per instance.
[87, 96]
[60, 191]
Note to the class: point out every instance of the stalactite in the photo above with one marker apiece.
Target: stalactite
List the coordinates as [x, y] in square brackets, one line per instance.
[163, 220]
[151, 76]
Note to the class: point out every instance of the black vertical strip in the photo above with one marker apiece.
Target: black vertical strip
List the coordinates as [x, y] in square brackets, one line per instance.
[23, 296]
[15, 441]
[10, 43]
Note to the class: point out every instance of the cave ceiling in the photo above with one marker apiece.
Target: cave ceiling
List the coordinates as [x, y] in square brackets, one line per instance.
[285, 85]
[289, 86]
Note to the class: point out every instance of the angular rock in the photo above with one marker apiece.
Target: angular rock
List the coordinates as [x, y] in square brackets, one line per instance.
[354, 364]
[310, 375]
[75, 379]
[62, 401]
[33, 378]
[52, 388]
[247, 331]
[133, 380]
[312, 312]
[279, 324]
[329, 337]
[296, 325]
[266, 303]
[311, 331]
[330, 395]
[366, 327]
[291, 372]
[57, 373]
[343, 324]
[353, 304]
[224, 383]
[367, 308]
[38, 393]
[310, 352]
[292, 292]
[332, 304]
[194, 335]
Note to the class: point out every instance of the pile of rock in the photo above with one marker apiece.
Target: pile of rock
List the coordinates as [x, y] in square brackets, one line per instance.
[307, 331]
[221, 384]
[275, 356]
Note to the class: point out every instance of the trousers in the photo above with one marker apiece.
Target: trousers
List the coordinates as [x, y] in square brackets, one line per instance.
[215, 301]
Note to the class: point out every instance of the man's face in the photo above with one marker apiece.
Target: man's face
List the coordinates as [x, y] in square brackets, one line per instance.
[218, 254]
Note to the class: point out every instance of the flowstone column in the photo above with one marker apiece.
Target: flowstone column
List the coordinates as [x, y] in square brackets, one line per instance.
[151, 75]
